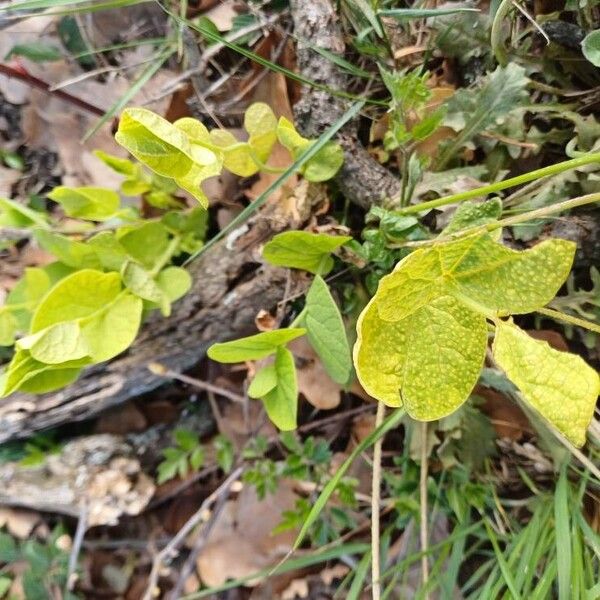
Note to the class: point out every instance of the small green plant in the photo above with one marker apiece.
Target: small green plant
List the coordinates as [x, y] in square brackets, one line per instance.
[87, 307]
[187, 455]
[45, 575]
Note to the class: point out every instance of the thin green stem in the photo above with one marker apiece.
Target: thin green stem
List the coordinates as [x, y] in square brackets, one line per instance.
[574, 163]
[496, 41]
[509, 221]
[561, 316]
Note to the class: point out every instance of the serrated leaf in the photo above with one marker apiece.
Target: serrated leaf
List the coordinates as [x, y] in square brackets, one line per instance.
[253, 347]
[326, 333]
[281, 403]
[429, 362]
[480, 272]
[303, 250]
[187, 440]
[561, 386]
[197, 458]
[93, 203]
[264, 381]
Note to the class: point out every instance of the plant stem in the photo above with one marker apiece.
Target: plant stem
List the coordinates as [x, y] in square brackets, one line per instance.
[375, 503]
[496, 41]
[574, 163]
[423, 502]
[509, 221]
[561, 316]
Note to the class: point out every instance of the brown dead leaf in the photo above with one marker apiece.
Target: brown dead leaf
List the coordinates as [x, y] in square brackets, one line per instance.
[19, 522]
[241, 541]
[313, 381]
[265, 321]
[554, 338]
[506, 416]
[121, 420]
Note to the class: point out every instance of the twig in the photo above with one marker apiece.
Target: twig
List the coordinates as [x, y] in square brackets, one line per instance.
[162, 371]
[42, 85]
[423, 501]
[170, 549]
[375, 508]
[188, 566]
[76, 548]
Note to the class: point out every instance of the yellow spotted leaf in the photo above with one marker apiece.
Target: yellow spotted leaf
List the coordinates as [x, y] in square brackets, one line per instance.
[562, 387]
[429, 362]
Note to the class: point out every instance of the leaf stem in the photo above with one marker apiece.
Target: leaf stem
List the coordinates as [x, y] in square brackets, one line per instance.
[375, 508]
[550, 170]
[561, 316]
[423, 506]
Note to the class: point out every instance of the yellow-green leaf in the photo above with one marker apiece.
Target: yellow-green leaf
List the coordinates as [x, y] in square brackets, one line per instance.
[281, 403]
[261, 124]
[237, 156]
[175, 282]
[264, 381]
[429, 362]
[304, 250]
[482, 273]
[253, 347]
[56, 344]
[561, 386]
[93, 203]
[79, 295]
[8, 327]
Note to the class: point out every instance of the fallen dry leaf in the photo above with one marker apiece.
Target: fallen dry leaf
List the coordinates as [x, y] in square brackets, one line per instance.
[19, 522]
[313, 381]
[241, 541]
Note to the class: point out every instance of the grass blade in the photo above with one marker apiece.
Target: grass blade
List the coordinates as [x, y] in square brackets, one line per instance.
[359, 577]
[563, 537]
[389, 423]
[422, 13]
[504, 568]
[302, 159]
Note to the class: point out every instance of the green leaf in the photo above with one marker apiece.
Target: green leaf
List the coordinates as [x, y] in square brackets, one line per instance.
[326, 333]
[562, 387]
[82, 294]
[56, 344]
[194, 129]
[237, 156]
[108, 318]
[471, 112]
[93, 203]
[35, 51]
[253, 347]
[388, 424]
[146, 243]
[186, 439]
[429, 362]
[70, 252]
[482, 273]
[27, 293]
[123, 166]
[326, 162]
[590, 46]
[14, 214]
[303, 250]
[8, 327]
[264, 381]
[140, 282]
[281, 403]
[261, 124]
[175, 282]
[168, 150]
[472, 214]
[109, 251]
